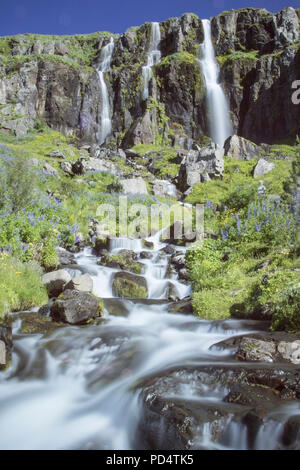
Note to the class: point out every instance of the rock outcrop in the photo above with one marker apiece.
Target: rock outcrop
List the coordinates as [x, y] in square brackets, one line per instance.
[55, 80]
[75, 307]
[200, 166]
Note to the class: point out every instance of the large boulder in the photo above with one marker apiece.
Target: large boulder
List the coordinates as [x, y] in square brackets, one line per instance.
[127, 285]
[200, 166]
[163, 188]
[82, 283]
[263, 167]
[142, 131]
[5, 346]
[134, 186]
[75, 307]
[239, 148]
[56, 281]
[94, 165]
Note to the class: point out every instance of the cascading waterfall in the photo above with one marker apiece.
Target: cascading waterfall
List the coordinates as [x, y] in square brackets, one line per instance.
[218, 111]
[103, 67]
[154, 56]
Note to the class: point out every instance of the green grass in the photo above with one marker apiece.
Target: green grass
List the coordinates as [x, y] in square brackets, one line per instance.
[224, 59]
[20, 286]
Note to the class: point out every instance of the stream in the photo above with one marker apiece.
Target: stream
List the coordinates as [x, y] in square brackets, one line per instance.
[93, 387]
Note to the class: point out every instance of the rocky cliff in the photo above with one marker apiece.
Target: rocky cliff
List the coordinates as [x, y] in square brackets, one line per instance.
[54, 80]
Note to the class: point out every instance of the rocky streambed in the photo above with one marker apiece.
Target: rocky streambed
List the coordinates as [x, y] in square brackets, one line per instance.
[147, 374]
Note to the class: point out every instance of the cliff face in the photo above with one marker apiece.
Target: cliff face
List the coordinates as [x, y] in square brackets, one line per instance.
[54, 79]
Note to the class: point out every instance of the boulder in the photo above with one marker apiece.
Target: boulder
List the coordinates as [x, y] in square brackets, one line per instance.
[201, 166]
[95, 165]
[142, 131]
[127, 285]
[56, 281]
[263, 167]
[239, 148]
[65, 258]
[134, 186]
[182, 306]
[290, 351]
[57, 154]
[5, 346]
[76, 307]
[82, 283]
[66, 167]
[163, 188]
[251, 349]
[49, 170]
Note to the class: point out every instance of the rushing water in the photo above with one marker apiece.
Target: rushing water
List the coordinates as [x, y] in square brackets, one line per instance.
[154, 56]
[75, 389]
[103, 67]
[218, 112]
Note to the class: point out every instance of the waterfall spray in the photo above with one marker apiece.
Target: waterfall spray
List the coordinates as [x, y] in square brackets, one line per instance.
[218, 111]
[154, 56]
[103, 67]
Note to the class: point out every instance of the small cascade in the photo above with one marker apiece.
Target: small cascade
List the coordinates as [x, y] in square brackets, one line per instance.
[116, 244]
[218, 111]
[103, 67]
[154, 57]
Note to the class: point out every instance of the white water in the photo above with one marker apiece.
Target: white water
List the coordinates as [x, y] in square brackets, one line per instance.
[104, 67]
[154, 57]
[218, 111]
[76, 388]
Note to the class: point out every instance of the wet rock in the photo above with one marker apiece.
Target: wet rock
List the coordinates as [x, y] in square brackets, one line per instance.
[125, 260]
[290, 351]
[37, 323]
[171, 292]
[134, 186]
[82, 283]
[291, 433]
[251, 349]
[146, 255]
[65, 258]
[148, 244]
[76, 308]
[168, 249]
[128, 285]
[239, 148]
[6, 346]
[182, 306]
[263, 167]
[56, 281]
[116, 307]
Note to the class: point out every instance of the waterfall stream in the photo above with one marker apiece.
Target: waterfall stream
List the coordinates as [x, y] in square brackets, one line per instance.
[80, 386]
[104, 67]
[218, 112]
[154, 57]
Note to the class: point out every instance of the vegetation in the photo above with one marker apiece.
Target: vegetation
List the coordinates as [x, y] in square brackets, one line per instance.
[249, 264]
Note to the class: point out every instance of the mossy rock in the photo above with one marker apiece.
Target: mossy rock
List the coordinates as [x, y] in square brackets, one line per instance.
[129, 286]
[34, 323]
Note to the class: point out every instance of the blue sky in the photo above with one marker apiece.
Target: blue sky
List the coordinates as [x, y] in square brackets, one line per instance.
[86, 16]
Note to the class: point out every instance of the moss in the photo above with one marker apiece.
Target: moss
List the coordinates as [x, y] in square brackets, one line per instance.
[129, 289]
[179, 57]
[13, 63]
[240, 56]
[33, 323]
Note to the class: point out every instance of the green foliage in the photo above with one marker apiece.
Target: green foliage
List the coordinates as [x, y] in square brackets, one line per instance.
[237, 55]
[178, 57]
[20, 286]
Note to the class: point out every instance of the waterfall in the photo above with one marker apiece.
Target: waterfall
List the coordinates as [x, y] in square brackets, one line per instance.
[218, 111]
[103, 67]
[154, 56]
